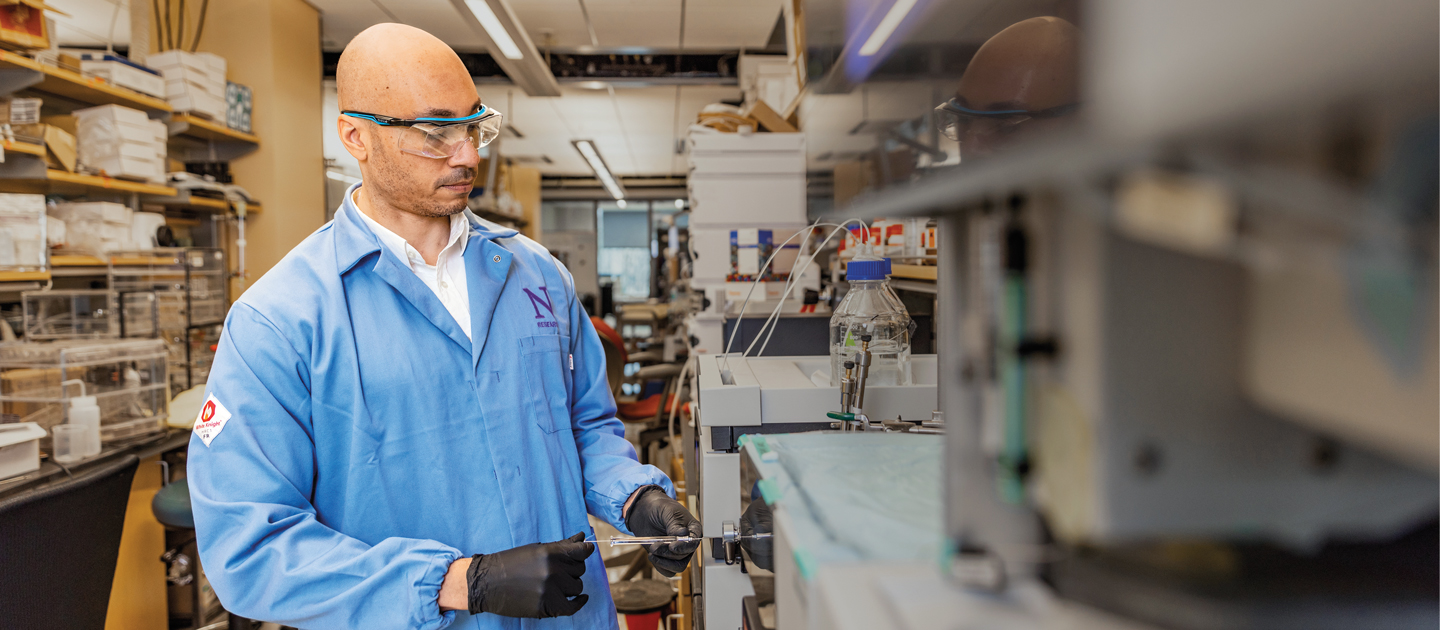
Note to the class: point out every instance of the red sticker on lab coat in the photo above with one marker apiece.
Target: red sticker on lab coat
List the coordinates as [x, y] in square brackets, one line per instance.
[211, 420]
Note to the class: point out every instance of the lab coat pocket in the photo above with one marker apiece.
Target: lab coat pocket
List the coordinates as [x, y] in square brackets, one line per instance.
[545, 360]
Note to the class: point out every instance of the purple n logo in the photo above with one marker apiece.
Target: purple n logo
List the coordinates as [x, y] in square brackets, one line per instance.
[537, 301]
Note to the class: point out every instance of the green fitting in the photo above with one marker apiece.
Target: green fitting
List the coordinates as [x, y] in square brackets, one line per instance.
[835, 415]
[769, 491]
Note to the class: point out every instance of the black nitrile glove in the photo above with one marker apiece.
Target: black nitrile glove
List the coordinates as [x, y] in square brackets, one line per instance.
[757, 519]
[535, 580]
[654, 513]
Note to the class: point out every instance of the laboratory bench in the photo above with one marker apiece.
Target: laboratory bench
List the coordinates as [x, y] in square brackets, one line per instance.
[143, 447]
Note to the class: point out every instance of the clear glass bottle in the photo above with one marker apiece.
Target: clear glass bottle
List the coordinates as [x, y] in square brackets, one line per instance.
[871, 307]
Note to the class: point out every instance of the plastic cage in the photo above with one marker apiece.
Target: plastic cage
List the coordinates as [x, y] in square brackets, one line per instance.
[87, 314]
[127, 377]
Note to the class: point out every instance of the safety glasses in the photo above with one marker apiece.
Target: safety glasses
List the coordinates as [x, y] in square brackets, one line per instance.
[956, 120]
[439, 138]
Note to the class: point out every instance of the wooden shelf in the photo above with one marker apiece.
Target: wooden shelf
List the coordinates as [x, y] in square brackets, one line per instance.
[28, 148]
[205, 204]
[64, 182]
[77, 261]
[122, 261]
[75, 86]
[24, 276]
[201, 129]
[914, 272]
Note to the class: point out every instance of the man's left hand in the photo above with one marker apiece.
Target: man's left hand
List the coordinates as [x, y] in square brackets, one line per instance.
[654, 513]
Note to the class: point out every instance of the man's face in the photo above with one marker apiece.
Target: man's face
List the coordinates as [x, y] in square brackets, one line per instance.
[1028, 68]
[433, 187]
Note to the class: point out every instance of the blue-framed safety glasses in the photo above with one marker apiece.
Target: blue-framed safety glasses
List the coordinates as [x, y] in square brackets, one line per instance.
[439, 138]
[956, 120]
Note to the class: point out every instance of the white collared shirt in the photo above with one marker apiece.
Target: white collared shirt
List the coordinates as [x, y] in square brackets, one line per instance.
[447, 276]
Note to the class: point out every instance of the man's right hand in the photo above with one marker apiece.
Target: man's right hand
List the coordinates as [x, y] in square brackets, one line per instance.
[535, 580]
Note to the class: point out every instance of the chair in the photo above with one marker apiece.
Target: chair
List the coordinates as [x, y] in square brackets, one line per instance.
[616, 358]
[61, 543]
[171, 506]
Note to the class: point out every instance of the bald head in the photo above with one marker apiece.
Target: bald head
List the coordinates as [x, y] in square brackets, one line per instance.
[398, 70]
[403, 72]
[1031, 65]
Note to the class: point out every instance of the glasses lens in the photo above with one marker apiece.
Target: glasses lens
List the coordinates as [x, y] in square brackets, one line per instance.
[443, 141]
[418, 140]
[489, 129]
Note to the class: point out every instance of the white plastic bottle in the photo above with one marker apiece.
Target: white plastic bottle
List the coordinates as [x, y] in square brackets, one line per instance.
[871, 308]
[85, 413]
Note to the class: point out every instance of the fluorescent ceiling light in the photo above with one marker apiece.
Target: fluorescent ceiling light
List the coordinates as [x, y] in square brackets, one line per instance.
[341, 177]
[621, 203]
[592, 156]
[496, 30]
[886, 28]
[679, 204]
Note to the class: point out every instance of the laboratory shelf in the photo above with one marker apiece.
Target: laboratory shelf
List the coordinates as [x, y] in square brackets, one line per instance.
[67, 183]
[24, 276]
[914, 272]
[195, 139]
[191, 126]
[183, 199]
[27, 148]
[19, 73]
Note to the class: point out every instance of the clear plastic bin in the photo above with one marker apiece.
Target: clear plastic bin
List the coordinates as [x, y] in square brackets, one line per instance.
[190, 283]
[88, 314]
[71, 314]
[127, 377]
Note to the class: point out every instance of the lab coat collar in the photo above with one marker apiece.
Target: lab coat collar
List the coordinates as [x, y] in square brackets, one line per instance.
[354, 241]
[487, 267]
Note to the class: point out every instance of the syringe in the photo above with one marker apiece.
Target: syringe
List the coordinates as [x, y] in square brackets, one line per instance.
[660, 540]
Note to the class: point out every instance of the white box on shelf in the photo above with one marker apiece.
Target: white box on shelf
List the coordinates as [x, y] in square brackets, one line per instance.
[201, 103]
[92, 211]
[126, 76]
[171, 59]
[112, 112]
[19, 448]
[126, 167]
[709, 142]
[751, 200]
[215, 63]
[19, 204]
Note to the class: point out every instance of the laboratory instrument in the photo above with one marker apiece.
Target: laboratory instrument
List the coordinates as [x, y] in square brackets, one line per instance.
[661, 540]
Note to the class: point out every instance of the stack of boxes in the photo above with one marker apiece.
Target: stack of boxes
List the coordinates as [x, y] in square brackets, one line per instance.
[121, 142]
[22, 232]
[95, 227]
[741, 186]
[194, 82]
[124, 73]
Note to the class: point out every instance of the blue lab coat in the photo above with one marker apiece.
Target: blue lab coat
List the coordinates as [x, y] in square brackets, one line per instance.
[371, 443]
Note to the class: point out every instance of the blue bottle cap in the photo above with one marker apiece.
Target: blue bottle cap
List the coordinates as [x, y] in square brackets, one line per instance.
[867, 269]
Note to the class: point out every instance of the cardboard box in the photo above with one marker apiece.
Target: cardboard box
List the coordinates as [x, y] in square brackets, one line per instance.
[770, 120]
[60, 149]
[19, 111]
[23, 26]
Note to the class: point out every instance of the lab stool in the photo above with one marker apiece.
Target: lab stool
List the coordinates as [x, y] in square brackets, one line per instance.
[645, 603]
[171, 506]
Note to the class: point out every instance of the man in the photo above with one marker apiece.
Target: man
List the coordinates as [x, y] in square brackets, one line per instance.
[1025, 79]
[412, 385]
